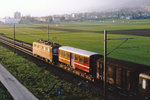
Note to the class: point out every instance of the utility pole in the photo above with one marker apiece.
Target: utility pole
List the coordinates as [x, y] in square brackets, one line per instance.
[105, 58]
[105, 64]
[48, 31]
[14, 38]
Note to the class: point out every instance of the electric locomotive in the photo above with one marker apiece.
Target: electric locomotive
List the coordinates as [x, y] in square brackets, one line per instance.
[120, 74]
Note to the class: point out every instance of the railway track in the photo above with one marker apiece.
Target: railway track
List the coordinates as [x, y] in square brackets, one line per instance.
[17, 45]
[22, 44]
[27, 48]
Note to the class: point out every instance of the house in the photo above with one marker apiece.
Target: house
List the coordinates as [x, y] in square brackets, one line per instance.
[9, 21]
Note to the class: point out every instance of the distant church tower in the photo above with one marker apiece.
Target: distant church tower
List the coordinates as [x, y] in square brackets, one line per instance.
[17, 15]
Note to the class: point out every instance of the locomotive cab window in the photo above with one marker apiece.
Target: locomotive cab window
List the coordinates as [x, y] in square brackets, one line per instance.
[46, 49]
[37, 46]
[86, 61]
[34, 45]
[81, 59]
[55, 51]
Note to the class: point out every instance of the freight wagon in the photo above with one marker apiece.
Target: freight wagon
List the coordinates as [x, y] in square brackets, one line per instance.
[121, 74]
[144, 84]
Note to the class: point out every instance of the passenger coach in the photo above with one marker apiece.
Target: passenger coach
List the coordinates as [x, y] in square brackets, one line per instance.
[79, 59]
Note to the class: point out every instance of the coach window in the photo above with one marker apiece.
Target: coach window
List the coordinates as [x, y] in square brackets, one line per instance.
[60, 53]
[81, 59]
[76, 57]
[63, 53]
[86, 61]
[68, 55]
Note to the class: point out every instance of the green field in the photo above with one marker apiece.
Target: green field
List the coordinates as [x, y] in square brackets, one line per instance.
[41, 82]
[4, 94]
[88, 36]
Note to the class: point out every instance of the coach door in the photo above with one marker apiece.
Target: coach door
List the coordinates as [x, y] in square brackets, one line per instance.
[72, 60]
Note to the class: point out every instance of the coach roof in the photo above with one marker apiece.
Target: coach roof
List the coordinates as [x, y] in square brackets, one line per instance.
[78, 51]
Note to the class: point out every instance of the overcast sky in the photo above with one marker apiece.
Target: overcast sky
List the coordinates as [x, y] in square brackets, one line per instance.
[50, 7]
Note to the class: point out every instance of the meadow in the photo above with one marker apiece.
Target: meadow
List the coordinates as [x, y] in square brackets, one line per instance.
[41, 82]
[89, 36]
[4, 94]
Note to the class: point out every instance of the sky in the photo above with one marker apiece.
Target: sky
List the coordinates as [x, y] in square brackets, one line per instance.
[51, 7]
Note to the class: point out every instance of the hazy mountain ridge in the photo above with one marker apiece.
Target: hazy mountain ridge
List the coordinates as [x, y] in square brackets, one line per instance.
[115, 5]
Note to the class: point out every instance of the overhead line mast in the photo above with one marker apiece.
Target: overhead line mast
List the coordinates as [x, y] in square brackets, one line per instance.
[105, 58]
[14, 37]
[48, 31]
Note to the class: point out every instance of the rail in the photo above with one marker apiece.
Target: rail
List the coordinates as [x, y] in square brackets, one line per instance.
[18, 47]
[28, 50]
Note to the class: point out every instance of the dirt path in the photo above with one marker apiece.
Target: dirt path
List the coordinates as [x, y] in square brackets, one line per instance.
[137, 32]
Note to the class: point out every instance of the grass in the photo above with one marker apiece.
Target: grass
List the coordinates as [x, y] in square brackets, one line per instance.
[136, 50]
[42, 83]
[107, 24]
[4, 94]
